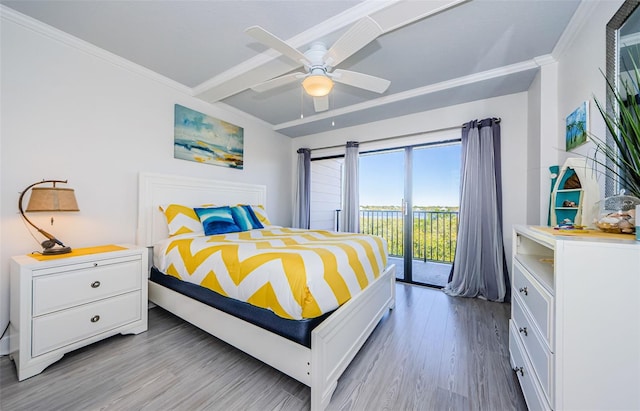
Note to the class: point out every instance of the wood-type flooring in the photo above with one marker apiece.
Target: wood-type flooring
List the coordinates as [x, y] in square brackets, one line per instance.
[432, 352]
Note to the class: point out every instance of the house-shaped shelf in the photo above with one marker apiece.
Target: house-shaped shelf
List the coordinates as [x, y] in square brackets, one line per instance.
[574, 194]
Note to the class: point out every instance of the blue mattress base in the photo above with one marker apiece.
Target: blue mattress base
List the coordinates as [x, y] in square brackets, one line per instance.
[298, 331]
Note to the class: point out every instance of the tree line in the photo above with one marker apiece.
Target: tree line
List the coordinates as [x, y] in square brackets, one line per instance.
[434, 231]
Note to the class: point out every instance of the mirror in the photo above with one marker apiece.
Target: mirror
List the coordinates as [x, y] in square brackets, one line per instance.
[623, 45]
[629, 45]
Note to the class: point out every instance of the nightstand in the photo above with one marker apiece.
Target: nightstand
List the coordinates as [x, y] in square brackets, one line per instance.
[64, 302]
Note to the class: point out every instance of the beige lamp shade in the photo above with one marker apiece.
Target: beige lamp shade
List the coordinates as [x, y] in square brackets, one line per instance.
[49, 199]
[317, 85]
[52, 199]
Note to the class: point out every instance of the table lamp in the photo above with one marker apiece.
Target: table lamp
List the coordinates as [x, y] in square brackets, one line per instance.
[49, 199]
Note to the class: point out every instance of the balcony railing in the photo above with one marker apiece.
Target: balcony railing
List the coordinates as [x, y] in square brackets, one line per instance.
[434, 232]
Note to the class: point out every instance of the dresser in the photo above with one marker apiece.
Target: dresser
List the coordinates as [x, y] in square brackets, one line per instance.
[574, 333]
[61, 303]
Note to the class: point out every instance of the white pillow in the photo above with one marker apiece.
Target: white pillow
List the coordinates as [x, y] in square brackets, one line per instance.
[182, 219]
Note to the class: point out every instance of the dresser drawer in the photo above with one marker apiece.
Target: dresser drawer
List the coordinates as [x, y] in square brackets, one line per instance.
[85, 283]
[538, 352]
[536, 299]
[65, 327]
[528, 382]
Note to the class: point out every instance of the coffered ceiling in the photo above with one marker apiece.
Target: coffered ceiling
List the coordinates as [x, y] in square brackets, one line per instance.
[435, 53]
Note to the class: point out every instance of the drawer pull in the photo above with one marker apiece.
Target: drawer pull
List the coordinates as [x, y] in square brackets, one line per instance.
[523, 330]
[95, 318]
[524, 290]
[95, 264]
[519, 370]
[95, 284]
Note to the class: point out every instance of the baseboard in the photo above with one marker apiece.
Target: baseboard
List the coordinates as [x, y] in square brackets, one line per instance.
[4, 345]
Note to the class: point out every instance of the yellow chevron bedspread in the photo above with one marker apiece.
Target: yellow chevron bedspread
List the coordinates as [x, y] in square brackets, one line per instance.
[293, 272]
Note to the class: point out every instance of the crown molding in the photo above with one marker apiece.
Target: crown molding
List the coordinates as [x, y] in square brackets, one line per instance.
[421, 91]
[579, 19]
[10, 15]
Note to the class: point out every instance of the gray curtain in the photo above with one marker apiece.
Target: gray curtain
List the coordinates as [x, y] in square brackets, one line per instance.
[302, 207]
[480, 268]
[351, 194]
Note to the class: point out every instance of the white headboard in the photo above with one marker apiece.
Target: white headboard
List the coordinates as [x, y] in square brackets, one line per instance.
[158, 189]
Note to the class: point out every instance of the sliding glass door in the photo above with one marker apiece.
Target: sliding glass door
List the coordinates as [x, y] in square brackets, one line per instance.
[435, 173]
[382, 201]
[409, 196]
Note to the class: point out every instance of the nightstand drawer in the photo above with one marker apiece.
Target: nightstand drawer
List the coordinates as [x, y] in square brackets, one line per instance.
[84, 284]
[70, 326]
[537, 301]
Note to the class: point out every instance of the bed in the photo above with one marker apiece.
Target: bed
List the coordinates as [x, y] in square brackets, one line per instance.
[333, 343]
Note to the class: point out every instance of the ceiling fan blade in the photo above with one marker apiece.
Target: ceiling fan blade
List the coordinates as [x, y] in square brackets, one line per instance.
[270, 40]
[321, 103]
[359, 35]
[277, 82]
[361, 80]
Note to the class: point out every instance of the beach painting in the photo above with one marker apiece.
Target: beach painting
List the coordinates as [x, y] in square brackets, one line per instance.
[577, 126]
[204, 139]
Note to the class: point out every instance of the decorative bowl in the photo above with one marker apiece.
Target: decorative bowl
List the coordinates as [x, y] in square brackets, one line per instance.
[617, 214]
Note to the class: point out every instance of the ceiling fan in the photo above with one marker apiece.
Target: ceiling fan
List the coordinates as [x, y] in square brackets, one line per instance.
[319, 62]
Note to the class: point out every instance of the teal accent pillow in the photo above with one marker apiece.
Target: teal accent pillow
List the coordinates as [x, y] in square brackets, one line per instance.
[217, 220]
[245, 218]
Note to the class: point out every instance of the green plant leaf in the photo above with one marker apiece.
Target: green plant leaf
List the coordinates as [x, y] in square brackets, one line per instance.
[624, 127]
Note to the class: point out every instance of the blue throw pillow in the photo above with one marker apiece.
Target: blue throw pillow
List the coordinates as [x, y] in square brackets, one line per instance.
[245, 218]
[217, 220]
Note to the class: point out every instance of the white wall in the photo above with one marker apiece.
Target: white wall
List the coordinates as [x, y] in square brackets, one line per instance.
[560, 87]
[579, 76]
[69, 114]
[513, 111]
[535, 210]
[549, 149]
[579, 71]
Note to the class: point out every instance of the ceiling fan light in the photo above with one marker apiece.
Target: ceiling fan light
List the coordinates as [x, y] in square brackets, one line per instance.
[317, 85]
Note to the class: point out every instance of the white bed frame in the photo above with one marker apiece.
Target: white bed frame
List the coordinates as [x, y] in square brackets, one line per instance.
[334, 343]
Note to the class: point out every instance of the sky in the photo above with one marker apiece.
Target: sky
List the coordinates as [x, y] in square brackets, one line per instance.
[436, 177]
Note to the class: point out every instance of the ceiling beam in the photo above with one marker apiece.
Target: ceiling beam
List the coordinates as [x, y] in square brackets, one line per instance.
[390, 15]
[268, 65]
[421, 91]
